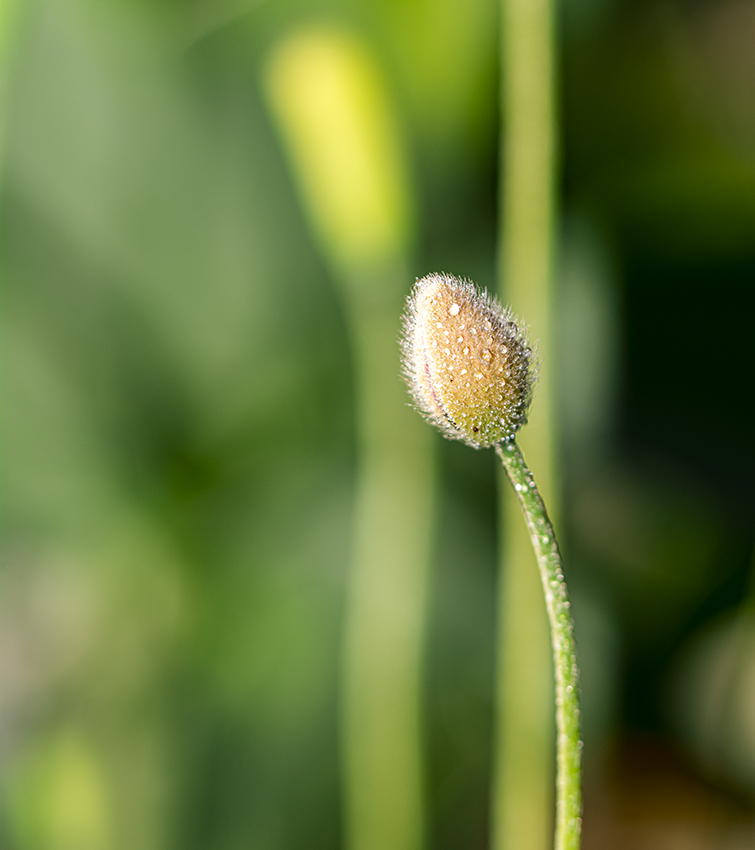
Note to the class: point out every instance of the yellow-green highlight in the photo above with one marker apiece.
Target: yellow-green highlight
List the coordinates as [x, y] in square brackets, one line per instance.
[523, 782]
[333, 112]
[342, 140]
[61, 801]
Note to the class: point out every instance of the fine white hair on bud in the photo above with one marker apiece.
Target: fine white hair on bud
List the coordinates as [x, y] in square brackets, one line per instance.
[467, 361]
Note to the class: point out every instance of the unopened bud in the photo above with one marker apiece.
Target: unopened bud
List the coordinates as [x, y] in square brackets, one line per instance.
[467, 361]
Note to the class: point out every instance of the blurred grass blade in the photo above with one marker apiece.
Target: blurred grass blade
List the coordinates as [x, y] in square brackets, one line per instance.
[524, 758]
[336, 123]
[11, 12]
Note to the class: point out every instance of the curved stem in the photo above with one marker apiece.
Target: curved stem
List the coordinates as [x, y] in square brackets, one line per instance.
[569, 746]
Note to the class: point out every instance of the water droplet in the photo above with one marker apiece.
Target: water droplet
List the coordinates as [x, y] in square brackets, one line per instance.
[454, 309]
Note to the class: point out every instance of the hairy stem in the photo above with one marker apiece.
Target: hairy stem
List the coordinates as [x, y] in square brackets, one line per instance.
[568, 776]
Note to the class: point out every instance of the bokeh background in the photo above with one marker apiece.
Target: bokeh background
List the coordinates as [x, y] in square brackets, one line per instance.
[178, 430]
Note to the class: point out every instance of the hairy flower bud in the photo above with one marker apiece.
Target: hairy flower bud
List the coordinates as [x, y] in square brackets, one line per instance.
[467, 361]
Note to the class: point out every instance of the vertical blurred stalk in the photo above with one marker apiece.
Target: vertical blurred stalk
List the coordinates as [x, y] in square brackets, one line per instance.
[333, 113]
[523, 784]
[10, 13]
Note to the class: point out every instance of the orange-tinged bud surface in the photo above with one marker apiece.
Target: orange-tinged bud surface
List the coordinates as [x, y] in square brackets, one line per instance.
[467, 361]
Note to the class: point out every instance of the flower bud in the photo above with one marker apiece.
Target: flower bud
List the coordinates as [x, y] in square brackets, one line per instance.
[467, 361]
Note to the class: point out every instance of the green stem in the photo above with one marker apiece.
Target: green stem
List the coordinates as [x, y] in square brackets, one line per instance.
[569, 746]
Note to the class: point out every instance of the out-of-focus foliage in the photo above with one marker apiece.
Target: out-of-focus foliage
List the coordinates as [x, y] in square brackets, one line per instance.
[178, 449]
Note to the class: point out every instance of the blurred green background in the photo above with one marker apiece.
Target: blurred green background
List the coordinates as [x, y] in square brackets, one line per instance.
[178, 434]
